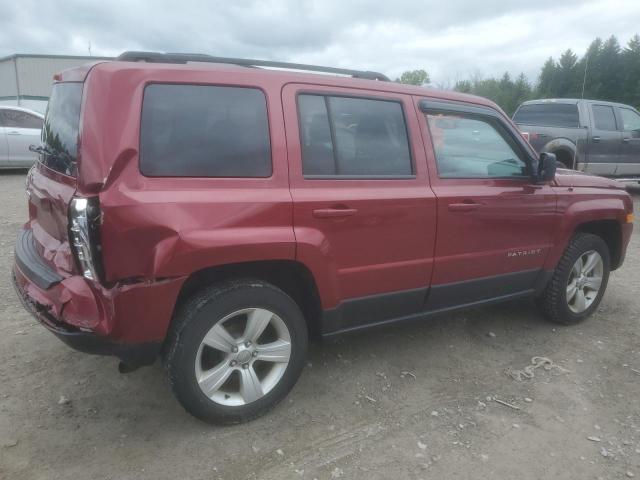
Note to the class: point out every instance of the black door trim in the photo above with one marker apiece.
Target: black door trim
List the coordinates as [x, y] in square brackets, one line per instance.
[418, 304]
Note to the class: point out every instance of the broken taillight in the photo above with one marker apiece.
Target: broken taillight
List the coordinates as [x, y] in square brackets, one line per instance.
[84, 234]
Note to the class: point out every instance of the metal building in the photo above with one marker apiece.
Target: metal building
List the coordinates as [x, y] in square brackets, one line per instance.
[25, 80]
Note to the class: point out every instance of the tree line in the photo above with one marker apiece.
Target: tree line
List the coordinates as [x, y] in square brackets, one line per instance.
[612, 73]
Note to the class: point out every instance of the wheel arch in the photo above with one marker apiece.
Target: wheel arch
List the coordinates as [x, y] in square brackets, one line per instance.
[611, 232]
[292, 277]
[599, 216]
[565, 151]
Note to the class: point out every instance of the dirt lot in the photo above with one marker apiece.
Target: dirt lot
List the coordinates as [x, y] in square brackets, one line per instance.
[353, 414]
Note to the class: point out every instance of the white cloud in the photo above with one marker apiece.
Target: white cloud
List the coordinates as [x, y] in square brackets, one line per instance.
[451, 40]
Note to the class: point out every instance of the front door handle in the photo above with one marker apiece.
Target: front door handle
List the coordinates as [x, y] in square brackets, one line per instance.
[334, 212]
[13, 133]
[626, 140]
[595, 139]
[463, 207]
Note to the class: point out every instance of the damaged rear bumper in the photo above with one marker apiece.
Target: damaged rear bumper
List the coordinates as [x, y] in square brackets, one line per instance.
[127, 321]
[85, 341]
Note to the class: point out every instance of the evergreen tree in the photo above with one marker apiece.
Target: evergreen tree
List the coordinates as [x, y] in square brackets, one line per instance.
[590, 67]
[611, 71]
[631, 72]
[567, 75]
[464, 86]
[522, 91]
[606, 72]
[547, 80]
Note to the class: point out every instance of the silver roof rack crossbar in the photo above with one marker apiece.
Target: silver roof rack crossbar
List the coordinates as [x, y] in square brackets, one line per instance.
[157, 57]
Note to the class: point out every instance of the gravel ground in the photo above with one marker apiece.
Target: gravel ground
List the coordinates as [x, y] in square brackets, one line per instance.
[354, 414]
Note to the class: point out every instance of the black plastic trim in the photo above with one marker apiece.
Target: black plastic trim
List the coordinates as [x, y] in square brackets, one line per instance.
[360, 177]
[158, 57]
[475, 290]
[386, 309]
[32, 264]
[456, 107]
[363, 311]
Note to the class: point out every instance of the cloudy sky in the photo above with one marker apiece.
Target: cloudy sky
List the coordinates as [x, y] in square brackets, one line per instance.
[451, 39]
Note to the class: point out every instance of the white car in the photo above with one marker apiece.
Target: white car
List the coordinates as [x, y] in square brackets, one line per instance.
[19, 128]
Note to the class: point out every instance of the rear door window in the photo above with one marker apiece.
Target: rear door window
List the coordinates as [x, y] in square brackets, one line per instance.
[353, 137]
[548, 114]
[604, 117]
[204, 131]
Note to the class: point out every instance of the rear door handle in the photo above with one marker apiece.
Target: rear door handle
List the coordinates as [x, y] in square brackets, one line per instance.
[595, 139]
[626, 140]
[334, 212]
[13, 133]
[463, 207]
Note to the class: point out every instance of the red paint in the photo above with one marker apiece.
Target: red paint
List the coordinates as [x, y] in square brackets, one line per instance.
[356, 237]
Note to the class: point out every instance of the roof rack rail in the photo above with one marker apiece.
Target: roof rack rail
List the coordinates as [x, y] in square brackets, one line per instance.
[157, 57]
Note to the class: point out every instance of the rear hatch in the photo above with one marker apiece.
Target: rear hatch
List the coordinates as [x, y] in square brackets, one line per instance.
[51, 183]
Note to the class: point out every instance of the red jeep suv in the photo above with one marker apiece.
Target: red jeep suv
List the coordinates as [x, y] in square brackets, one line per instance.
[218, 215]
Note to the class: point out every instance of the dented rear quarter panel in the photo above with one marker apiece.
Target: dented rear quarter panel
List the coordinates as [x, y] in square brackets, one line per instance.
[169, 227]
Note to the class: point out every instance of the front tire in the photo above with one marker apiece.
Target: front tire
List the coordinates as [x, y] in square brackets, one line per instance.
[579, 281]
[235, 350]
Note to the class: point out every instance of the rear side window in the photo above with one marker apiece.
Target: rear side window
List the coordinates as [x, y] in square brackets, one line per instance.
[548, 114]
[204, 131]
[604, 117]
[473, 147]
[346, 136]
[19, 119]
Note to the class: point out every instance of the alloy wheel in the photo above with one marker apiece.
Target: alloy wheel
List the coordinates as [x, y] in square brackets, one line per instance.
[585, 281]
[243, 356]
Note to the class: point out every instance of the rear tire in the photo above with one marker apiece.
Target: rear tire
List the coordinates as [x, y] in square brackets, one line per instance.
[579, 281]
[235, 350]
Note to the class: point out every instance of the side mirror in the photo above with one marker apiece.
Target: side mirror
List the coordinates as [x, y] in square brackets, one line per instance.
[546, 167]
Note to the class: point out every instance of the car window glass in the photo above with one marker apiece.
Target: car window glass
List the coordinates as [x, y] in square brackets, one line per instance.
[346, 136]
[315, 136]
[548, 114]
[630, 119]
[467, 147]
[204, 131]
[61, 128]
[604, 118]
[19, 119]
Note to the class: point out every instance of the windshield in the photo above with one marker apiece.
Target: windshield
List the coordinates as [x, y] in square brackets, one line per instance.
[60, 131]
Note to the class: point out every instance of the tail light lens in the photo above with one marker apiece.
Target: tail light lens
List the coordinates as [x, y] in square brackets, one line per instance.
[84, 233]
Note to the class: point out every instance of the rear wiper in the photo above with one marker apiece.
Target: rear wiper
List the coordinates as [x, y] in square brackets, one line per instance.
[57, 155]
[40, 149]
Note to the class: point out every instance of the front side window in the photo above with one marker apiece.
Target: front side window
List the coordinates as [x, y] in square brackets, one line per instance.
[473, 147]
[347, 136]
[630, 120]
[604, 118]
[204, 131]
